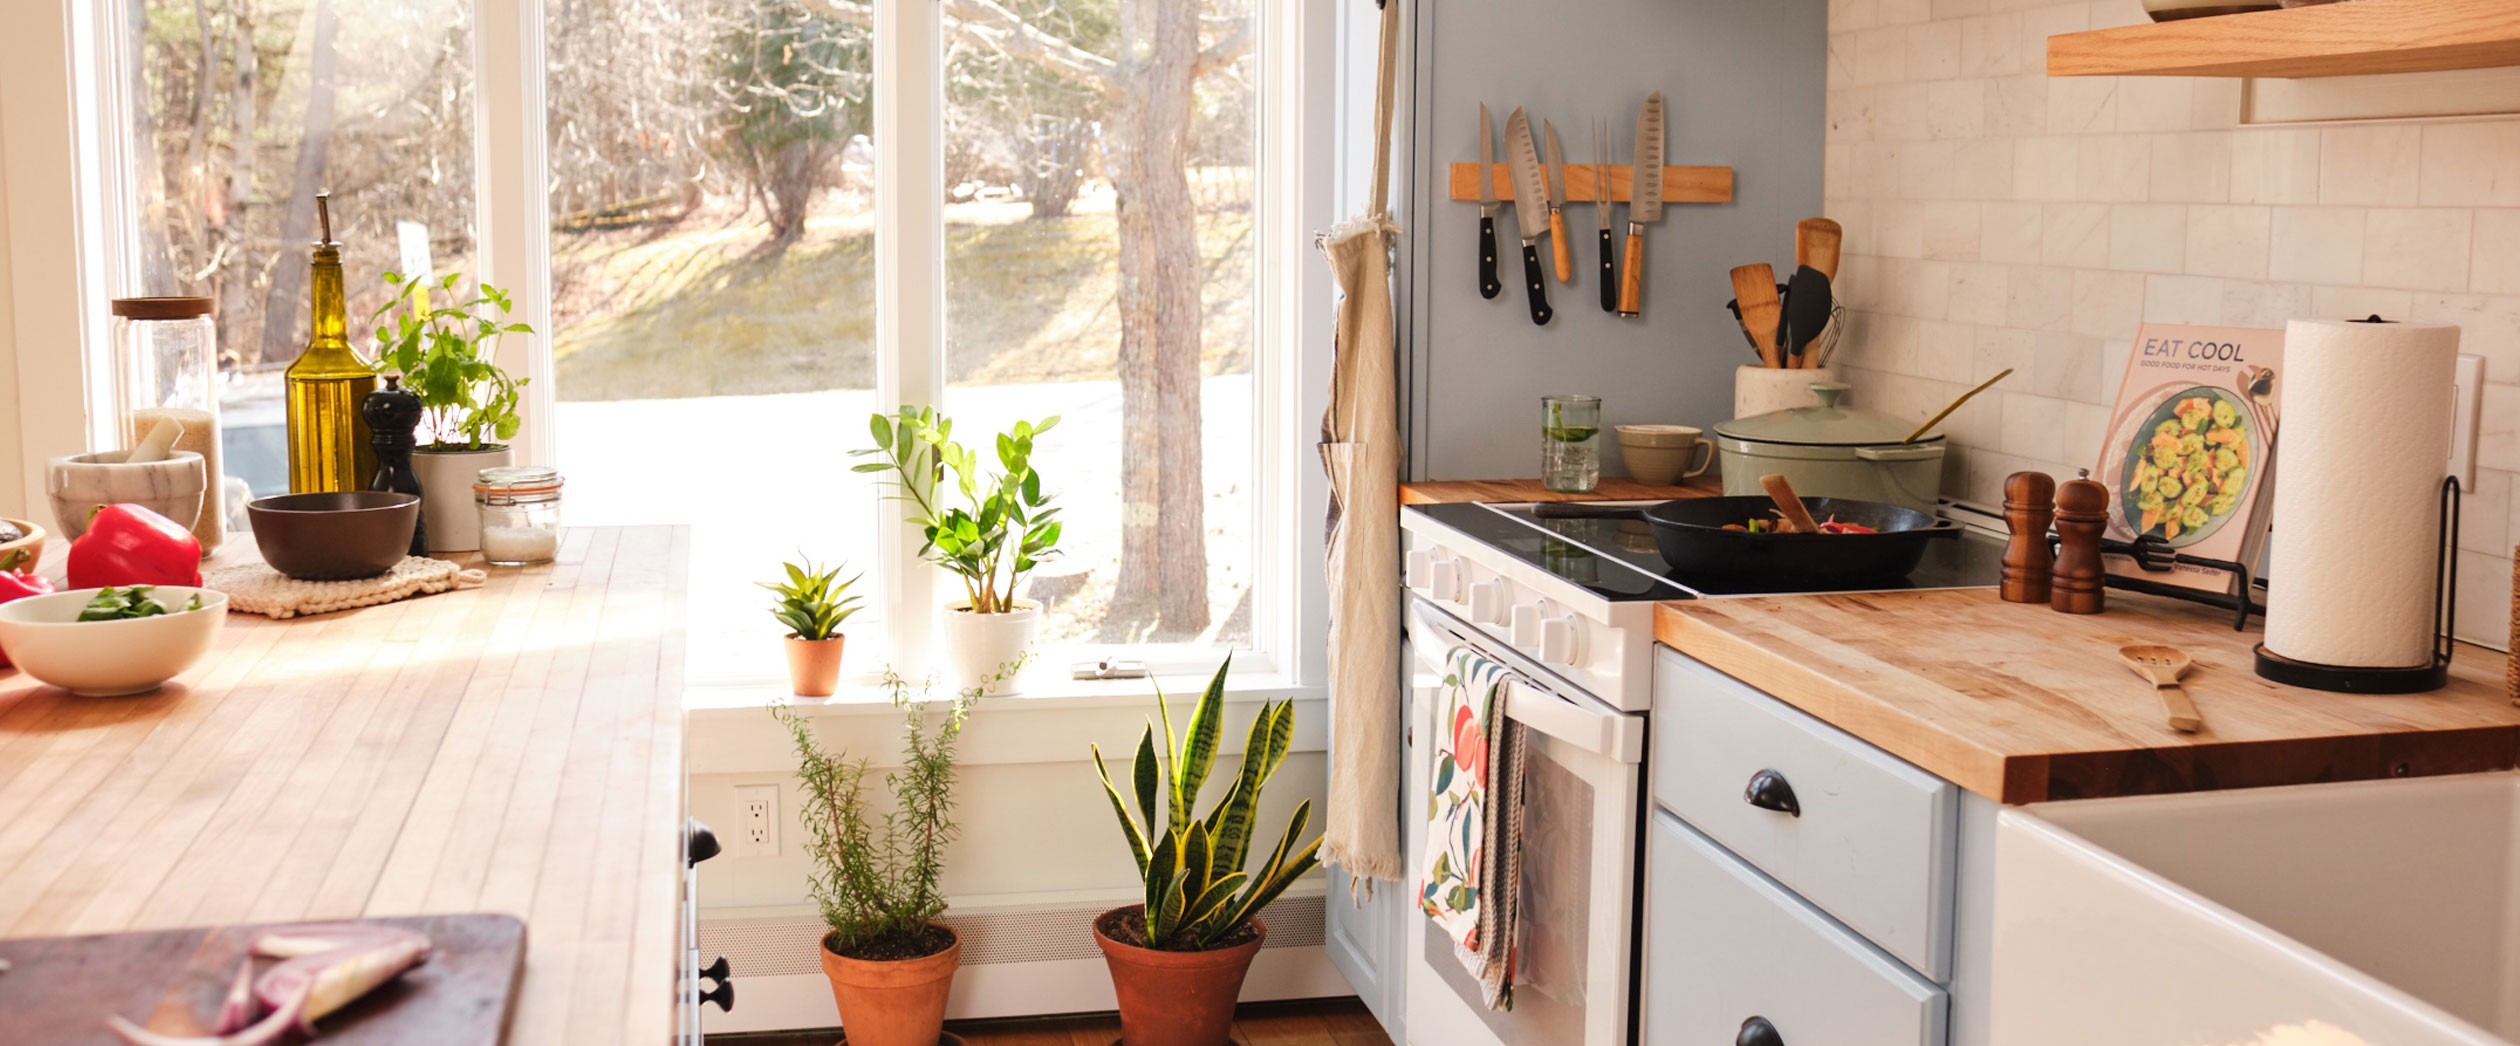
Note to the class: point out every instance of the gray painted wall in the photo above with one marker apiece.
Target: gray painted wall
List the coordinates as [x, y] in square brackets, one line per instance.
[1743, 83]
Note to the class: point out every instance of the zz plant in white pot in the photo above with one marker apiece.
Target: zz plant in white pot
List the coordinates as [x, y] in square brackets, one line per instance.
[987, 528]
[446, 356]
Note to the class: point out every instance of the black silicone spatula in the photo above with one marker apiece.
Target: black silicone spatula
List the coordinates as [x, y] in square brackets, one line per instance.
[1807, 305]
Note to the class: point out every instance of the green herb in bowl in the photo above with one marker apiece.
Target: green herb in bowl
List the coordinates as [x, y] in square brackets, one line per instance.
[118, 604]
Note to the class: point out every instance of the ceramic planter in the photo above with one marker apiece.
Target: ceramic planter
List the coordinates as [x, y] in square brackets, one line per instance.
[1175, 998]
[448, 517]
[980, 646]
[1758, 390]
[893, 1002]
[814, 664]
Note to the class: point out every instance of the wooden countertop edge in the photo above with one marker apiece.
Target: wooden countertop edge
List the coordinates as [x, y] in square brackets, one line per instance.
[1858, 707]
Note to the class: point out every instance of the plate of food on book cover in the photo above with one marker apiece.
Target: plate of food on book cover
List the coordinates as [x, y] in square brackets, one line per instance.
[2183, 467]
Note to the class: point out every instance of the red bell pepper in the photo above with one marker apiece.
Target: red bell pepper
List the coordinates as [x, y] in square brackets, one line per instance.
[18, 581]
[131, 545]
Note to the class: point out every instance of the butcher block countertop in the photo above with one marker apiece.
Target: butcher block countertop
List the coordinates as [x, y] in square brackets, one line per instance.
[511, 748]
[1515, 491]
[2022, 704]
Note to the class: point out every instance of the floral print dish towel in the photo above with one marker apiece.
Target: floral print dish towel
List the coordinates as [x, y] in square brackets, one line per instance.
[1462, 834]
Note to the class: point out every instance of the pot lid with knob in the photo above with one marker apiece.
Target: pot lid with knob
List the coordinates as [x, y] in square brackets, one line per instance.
[1828, 424]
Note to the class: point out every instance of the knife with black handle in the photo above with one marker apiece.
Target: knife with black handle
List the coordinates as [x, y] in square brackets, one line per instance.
[1488, 285]
[1601, 209]
[1531, 209]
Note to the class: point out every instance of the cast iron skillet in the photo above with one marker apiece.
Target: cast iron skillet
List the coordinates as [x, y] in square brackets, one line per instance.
[1693, 541]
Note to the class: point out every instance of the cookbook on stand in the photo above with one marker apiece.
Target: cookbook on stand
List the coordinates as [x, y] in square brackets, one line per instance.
[2189, 450]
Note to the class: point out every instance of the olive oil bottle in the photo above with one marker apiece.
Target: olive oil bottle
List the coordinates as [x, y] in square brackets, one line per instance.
[328, 437]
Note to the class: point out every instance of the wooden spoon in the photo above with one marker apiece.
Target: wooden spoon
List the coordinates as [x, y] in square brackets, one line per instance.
[1797, 518]
[1754, 289]
[2164, 665]
[1816, 244]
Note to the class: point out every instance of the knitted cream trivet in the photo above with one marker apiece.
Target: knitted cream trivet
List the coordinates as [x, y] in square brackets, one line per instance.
[257, 589]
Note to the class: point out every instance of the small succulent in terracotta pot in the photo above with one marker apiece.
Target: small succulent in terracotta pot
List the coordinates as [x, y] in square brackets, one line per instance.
[812, 604]
[877, 875]
[1177, 960]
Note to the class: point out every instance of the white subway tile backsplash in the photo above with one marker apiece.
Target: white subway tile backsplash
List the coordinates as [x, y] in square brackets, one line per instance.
[2485, 513]
[2470, 164]
[2044, 168]
[2067, 367]
[2031, 429]
[2114, 168]
[2107, 303]
[1933, 50]
[2264, 305]
[2082, 105]
[2494, 267]
[1903, 12]
[1959, 8]
[1992, 46]
[2228, 241]
[1899, 228]
[2191, 168]
[2498, 429]
[2017, 105]
[2156, 103]
[1955, 109]
[2488, 327]
[1979, 293]
[2275, 165]
[2042, 299]
[1951, 231]
[2009, 232]
[2147, 237]
[2378, 165]
[2353, 303]
[2318, 244]
[1925, 170]
[2418, 249]
[2484, 610]
[1999, 349]
[2183, 299]
[2076, 235]
[1982, 170]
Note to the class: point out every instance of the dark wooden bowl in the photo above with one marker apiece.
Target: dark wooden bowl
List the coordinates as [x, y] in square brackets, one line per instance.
[334, 537]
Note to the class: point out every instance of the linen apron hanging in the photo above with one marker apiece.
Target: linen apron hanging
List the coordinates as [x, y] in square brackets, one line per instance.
[1360, 449]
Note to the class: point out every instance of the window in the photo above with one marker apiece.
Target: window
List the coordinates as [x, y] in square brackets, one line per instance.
[728, 296]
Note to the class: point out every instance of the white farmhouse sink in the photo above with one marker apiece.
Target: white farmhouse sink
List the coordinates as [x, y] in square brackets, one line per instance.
[2385, 913]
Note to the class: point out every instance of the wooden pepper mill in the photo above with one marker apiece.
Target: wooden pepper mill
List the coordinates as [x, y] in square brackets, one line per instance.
[2082, 511]
[2029, 506]
[393, 415]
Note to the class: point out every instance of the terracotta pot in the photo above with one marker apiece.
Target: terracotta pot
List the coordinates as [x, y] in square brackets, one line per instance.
[896, 1002]
[1175, 998]
[814, 664]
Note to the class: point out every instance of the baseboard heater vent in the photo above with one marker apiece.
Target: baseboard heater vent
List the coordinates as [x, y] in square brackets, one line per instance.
[769, 947]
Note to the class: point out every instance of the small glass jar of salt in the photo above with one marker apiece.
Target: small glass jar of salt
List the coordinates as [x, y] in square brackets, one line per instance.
[520, 514]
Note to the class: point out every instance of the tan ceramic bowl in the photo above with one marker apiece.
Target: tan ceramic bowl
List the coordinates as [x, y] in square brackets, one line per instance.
[32, 542]
[44, 635]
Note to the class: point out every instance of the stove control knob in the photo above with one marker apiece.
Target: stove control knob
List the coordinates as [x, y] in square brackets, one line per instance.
[1487, 602]
[1557, 640]
[1421, 569]
[1526, 625]
[1444, 580]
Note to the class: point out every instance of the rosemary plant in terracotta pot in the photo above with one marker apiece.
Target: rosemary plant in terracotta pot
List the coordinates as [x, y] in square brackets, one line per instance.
[876, 874]
[1177, 959]
[813, 603]
[446, 354]
[987, 527]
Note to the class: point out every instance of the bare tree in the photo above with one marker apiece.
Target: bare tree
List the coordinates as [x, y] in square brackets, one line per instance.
[281, 341]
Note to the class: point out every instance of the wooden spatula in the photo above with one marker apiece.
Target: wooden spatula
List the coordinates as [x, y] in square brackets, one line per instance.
[1797, 518]
[1816, 244]
[2164, 665]
[1754, 289]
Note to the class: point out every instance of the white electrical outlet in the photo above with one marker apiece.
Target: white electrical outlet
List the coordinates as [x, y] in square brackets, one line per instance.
[757, 821]
[2469, 402]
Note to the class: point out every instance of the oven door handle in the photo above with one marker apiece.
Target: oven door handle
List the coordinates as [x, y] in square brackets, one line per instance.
[1596, 729]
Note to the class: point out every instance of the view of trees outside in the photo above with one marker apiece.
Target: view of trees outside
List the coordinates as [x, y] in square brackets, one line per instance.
[712, 208]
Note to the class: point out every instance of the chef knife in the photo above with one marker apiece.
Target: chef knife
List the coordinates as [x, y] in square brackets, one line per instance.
[1645, 201]
[1531, 218]
[1556, 177]
[1488, 286]
[1601, 209]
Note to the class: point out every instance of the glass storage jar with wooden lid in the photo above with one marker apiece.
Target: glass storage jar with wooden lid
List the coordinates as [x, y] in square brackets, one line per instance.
[166, 366]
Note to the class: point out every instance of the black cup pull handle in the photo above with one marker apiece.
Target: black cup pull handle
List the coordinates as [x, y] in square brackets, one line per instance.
[1758, 1032]
[1769, 791]
[723, 995]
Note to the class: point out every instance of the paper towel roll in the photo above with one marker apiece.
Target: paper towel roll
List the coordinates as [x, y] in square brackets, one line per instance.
[2363, 445]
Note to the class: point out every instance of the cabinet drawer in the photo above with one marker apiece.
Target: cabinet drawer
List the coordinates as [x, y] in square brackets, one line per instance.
[1724, 945]
[1873, 842]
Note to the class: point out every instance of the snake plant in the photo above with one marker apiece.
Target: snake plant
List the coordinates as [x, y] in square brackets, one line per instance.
[1197, 894]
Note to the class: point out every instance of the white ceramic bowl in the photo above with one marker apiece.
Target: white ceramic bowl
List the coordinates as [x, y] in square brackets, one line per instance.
[44, 636]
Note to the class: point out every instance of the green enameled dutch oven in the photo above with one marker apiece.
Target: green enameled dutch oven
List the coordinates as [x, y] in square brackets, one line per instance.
[1832, 451]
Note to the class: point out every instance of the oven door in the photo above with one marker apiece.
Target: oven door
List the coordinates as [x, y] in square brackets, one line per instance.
[1573, 980]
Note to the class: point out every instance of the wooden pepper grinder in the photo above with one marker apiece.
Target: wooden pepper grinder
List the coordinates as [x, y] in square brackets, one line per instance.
[2081, 513]
[2029, 506]
[393, 415]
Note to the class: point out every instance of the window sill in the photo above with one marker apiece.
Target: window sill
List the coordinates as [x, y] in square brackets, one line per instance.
[1041, 691]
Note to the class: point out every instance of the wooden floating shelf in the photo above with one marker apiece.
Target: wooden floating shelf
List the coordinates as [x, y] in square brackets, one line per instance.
[2355, 38]
[1680, 184]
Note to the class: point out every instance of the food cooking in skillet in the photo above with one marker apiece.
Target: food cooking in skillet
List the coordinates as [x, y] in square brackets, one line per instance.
[2189, 466]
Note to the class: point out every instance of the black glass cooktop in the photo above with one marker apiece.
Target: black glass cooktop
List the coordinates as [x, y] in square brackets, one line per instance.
[1616, 559]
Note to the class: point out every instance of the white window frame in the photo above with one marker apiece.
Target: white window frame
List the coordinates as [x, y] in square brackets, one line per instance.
[59, 92]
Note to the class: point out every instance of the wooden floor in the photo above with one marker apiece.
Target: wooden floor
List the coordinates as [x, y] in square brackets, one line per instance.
[1318, 1022]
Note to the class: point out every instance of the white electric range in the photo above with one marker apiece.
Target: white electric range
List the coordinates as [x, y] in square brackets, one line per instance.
[1566, 605]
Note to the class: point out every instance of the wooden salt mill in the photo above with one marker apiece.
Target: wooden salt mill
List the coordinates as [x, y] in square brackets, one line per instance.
[2081, 513]
[2029, 506]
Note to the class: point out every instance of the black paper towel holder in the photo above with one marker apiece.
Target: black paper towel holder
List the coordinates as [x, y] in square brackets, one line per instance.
[2419, 679]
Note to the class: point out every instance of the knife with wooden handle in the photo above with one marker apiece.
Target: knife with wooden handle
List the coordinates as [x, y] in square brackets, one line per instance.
[1645, 202]
[1531, 209]
[1488, 206]
[1556, 177]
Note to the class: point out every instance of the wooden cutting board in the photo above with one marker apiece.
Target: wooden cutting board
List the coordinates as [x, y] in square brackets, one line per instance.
[59, 990]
